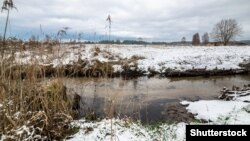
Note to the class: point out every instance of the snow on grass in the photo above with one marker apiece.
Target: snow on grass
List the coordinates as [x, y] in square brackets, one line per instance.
[218, 111]
[123, 130]
[186, 57]
[158, 58]
[171, 132]
[102, 131]
[241, 116]
[89, 53]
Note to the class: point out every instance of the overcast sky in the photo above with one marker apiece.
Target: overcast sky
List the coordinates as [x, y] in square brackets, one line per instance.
[154, 20]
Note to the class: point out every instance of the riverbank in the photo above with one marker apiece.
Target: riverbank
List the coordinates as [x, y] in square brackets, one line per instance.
[135, 61]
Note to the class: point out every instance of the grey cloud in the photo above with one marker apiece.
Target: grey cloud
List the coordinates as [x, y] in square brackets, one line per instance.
[150, 19]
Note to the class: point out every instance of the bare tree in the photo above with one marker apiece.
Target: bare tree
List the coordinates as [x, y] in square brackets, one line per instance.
[7, 5]
[196, 39]
[205, 38]
[183, 39]
[226, 30]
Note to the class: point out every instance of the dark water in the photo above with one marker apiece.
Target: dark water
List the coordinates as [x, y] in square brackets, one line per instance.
[146, 98]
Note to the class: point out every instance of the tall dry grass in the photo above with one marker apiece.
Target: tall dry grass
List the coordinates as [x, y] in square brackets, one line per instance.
[29, 105]
[30, 101]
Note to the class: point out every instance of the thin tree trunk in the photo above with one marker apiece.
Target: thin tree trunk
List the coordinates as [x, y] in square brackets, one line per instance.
[5, 30]
[109, 30]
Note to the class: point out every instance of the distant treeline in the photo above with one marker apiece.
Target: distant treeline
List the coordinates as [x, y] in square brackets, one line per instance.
[127, 42]
[135, 42]
[186, 43]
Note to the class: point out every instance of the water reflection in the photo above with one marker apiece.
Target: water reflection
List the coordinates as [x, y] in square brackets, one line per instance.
[146, 98]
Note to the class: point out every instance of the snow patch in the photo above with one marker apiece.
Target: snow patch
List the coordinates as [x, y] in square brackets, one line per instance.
[123, 130]
[243, 98]
[231, 112]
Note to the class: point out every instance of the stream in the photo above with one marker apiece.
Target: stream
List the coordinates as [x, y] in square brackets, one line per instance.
[148, 99]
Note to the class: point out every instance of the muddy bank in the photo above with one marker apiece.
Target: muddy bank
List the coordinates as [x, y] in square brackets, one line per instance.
[204, 72]
[106, 70]
[171, 111]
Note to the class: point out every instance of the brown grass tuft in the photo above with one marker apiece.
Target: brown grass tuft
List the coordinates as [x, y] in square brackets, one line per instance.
[30, 106]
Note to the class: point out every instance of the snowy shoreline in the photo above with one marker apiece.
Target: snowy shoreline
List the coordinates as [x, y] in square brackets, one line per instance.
[132, 60]
[214, 112]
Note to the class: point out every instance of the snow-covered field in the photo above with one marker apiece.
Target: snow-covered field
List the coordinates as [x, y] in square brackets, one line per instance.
[186, 57]
[156, 58]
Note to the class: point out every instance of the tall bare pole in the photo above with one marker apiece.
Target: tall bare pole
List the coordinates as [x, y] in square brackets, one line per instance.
[6, 26]
[109, 20]
[7, 5]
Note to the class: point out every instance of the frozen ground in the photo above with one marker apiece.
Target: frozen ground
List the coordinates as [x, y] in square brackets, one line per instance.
[123, 130]
[156, 58]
